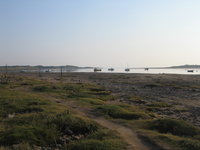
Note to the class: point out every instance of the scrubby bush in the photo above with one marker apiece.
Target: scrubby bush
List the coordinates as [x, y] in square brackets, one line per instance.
[93, 144]
[71, 124]
[115, 111]
[41, 88]
[39, 135]
[76, 91]
[10, 105]
[189, 144]
[175, 127]
[103, 134]
[44, 129]
[33, 129]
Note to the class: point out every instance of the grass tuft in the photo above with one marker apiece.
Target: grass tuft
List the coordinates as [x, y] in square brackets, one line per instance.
[175, 127]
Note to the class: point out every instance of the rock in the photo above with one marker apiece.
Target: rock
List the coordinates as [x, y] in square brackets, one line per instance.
[11, 115]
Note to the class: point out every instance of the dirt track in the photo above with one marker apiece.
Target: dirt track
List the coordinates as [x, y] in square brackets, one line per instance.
[126, 133]
[131, 138]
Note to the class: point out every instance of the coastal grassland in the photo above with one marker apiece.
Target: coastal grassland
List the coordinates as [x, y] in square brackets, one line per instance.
[30, 120]
[60, 88]
[165, 133]
[81, 92]
[167, 96]
[162, 133]
[169, 102]
[123, 112]
[35, 112]
[104, 139]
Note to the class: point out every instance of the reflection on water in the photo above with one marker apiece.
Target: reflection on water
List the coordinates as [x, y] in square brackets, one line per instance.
[151, 71]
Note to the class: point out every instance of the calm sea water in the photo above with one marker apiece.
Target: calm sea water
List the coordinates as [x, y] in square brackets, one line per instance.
[150, 71]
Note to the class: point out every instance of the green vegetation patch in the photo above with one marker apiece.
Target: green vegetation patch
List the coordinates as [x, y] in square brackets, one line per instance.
[47, 88]
[30, 119]
[96, 145]
[19, 102]
[103, 139]
[175, 127]
[41, 88]
[116, 111]
[189, 144]
[169, 141]
[44, 129]
[89, 91]
[72, 124]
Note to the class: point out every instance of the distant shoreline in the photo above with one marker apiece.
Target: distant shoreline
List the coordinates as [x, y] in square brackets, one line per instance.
[72, 67]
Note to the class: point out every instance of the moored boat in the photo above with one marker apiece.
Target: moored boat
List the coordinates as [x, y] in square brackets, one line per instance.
[190, 71]
[127, 69]
[111, 69]
[97, 69]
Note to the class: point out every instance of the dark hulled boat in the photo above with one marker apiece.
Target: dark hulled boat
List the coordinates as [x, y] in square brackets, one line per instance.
[97, 69]
[111, 69]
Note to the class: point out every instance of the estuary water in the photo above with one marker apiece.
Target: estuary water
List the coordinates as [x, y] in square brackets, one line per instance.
[150, 71]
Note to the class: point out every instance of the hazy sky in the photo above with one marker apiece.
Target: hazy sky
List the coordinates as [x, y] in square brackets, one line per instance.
[100, 32]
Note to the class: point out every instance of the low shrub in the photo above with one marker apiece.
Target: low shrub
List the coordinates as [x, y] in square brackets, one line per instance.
[71, 124]
[175, 127]
[102, 134]
[10, 105]
[93, 144]
[115, 111]
[44, 129]
[41, 88]
[189, 144]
